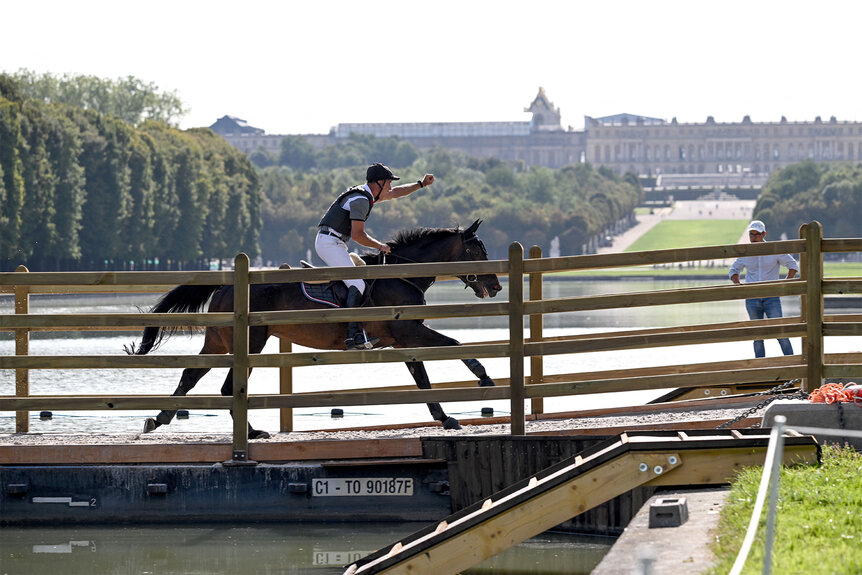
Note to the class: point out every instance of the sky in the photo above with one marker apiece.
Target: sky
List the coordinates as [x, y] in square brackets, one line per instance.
[304, 66]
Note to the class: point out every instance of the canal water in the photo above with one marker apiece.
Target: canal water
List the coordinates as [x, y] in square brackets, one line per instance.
[323, 548]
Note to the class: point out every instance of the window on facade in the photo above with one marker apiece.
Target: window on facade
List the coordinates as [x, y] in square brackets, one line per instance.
[667, 152]
[682, 152]
[775, 152]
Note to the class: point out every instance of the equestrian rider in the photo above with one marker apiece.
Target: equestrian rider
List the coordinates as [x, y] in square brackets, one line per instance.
[345, 220]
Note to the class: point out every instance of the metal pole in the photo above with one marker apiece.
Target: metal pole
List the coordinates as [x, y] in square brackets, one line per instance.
[774, 480]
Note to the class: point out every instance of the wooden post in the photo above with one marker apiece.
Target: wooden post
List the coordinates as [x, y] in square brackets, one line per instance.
[537, 365]
[516, 337]
[285, 380]
[813, 270]
[240, 358]
[285, 387]
[22, 347]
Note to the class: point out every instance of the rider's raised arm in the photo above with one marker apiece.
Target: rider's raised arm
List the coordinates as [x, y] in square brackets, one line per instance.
[407, 189]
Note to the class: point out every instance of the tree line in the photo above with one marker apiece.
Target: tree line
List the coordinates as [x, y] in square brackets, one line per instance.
[799, 193]
[86, 190]
[533, 206]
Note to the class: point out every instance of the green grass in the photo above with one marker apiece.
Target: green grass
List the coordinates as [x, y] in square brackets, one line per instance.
[670, 234]
[818, 529]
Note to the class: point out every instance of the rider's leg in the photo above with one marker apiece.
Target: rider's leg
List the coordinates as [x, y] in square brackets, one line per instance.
[356, 338]
[334, 252]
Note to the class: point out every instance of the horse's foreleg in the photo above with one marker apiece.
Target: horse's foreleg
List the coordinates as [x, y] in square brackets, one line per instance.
[188, 380]
[479, 371]
[420, 376]
[409, 334]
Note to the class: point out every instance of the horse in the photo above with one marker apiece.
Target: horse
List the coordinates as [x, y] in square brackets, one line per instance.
[420, 245]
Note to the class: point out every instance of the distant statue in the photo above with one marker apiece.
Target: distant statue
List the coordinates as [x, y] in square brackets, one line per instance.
[555, 247]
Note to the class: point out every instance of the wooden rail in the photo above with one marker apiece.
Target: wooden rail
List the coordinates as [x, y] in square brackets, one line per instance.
[812, 325]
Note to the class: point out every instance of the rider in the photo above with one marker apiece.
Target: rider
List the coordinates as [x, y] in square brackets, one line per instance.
[345, 220]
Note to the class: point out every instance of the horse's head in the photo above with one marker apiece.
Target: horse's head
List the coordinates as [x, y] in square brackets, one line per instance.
[472, 249]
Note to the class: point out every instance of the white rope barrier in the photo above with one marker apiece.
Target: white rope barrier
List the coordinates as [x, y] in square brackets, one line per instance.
[761, 497]
[769, 482]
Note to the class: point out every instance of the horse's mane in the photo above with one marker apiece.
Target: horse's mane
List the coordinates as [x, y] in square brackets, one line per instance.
[411, 237]
[408, 237]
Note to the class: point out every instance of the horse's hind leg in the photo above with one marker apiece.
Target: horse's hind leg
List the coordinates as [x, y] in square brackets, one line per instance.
[479, 371]
[188, 380]
[420, 376]
[213, 343]
[257, 339]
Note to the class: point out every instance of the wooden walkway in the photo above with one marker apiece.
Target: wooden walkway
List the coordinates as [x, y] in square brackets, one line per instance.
[559, 492]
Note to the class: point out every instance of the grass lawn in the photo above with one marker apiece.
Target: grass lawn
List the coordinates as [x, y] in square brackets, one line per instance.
[671, 234]
[818, 528]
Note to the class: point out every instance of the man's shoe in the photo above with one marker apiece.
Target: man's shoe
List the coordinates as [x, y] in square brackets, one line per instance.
[359, 342]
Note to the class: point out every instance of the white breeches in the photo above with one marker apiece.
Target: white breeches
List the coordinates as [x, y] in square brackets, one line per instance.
[334, 252]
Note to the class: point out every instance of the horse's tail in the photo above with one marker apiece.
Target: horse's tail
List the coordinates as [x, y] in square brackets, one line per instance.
[182, 299]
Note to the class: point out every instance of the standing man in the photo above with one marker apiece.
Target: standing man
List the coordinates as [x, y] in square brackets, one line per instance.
[764, 269]
[345, 221]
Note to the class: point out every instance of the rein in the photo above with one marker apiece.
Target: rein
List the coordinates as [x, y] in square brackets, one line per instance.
[468, 278]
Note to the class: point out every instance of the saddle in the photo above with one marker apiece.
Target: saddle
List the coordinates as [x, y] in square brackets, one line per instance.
[328, 292]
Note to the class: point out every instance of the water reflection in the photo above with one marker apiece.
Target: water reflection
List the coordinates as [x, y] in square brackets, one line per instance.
[319, 549]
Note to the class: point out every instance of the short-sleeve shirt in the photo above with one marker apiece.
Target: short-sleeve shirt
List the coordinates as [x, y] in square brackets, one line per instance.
[763, 268]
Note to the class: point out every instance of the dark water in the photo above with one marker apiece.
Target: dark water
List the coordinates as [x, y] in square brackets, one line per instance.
[318, 549]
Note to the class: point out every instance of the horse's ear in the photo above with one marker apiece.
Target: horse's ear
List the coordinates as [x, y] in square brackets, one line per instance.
[473, 227]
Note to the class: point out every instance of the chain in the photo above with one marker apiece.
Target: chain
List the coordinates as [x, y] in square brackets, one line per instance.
[774, 392]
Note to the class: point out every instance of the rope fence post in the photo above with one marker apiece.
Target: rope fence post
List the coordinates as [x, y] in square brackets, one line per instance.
[22, 347]
[537, 364]
[240, 359]
[516, 338]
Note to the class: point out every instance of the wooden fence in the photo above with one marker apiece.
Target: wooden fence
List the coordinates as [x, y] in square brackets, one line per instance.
[812, 326]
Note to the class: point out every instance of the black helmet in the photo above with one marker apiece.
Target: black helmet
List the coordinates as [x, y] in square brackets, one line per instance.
[379, 172]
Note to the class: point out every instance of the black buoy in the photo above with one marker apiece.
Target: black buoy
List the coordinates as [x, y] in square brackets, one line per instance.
[487, 412]
[183, 414]
[45, 415]
[336, 412]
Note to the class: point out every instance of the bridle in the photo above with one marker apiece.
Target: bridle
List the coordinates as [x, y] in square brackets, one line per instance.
[470, 280]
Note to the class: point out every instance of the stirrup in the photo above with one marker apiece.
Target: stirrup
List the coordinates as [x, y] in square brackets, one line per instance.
[360, 342]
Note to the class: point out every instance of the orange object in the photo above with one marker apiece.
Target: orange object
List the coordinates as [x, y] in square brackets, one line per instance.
[834, 392]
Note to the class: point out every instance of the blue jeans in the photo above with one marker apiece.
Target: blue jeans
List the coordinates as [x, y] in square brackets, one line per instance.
[770, 307]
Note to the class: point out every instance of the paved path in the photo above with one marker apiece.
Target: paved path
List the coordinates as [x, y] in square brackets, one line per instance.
[696, 210]
[668, 550]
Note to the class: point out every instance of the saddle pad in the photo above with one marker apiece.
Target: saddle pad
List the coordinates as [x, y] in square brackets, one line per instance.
[322, 293]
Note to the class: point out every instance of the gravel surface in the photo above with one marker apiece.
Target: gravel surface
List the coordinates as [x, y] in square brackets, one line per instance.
[532, 427]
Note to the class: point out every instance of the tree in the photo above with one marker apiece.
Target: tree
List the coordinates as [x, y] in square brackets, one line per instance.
[130, 99]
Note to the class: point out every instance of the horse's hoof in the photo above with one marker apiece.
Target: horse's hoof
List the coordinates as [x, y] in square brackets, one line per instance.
[486, 382]
[150, 425]
[258, 434]
[451, 423]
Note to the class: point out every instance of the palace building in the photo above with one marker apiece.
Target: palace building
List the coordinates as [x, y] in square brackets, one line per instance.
[698, 153]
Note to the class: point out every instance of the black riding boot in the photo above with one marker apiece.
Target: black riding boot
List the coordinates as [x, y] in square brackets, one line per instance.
[355, 336]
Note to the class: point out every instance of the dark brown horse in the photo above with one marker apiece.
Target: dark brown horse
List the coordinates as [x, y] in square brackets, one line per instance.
[421, 245]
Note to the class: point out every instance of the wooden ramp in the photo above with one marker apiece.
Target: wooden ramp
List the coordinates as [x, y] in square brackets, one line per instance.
[562, 491]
